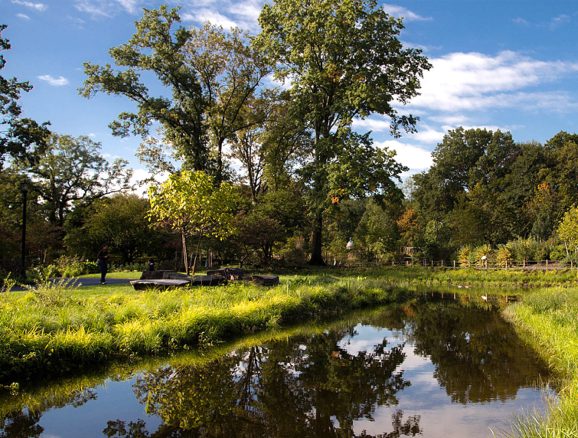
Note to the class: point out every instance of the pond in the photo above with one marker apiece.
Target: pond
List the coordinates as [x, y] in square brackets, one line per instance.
[432, 367]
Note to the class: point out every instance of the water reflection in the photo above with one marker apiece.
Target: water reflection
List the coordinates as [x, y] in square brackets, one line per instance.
[371, 376]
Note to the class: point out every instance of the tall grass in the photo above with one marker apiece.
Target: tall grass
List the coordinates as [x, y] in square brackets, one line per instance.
[55, 329]
[548, 318]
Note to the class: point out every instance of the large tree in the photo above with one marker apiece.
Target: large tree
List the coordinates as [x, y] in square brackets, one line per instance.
[343, 60]
[20, 137]
[120, 221]
[72, 170]
[209, 74]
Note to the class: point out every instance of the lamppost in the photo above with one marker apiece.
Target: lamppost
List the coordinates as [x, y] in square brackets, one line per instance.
[24, 190]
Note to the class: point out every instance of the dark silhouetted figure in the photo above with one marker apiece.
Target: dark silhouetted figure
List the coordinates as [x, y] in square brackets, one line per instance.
[102, 262]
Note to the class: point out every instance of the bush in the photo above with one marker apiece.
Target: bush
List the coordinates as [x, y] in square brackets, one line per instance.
[465, 256]
[482, 256]
[503, 256]
[70, 266]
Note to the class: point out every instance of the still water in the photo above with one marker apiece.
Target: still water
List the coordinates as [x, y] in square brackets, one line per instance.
[432, 368]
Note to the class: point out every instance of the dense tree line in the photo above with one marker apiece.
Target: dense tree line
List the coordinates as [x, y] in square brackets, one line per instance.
[484, 188]
[263, 173]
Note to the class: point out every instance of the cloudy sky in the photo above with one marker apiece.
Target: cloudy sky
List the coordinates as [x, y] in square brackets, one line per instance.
[510, 65]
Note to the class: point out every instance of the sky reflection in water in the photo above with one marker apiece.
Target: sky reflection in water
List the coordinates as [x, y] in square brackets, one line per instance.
[426, 368]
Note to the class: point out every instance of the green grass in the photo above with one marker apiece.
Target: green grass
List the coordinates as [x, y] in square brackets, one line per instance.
[54, 330]
[548, 319]
[130, 275]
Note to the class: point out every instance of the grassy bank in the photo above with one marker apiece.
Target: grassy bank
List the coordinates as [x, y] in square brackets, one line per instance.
[54, 330]
[548, 318]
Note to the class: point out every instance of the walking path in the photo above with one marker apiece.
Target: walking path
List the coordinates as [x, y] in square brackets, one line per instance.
[81, 282]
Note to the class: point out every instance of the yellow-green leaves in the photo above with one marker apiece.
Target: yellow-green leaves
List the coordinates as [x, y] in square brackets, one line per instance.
[568, 230]
[191, 203]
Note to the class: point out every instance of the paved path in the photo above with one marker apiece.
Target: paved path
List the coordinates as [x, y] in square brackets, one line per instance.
[81, 282]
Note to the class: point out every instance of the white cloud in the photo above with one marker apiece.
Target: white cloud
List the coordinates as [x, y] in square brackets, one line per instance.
[210, 16]
[23, 17]
[401, 12]
[94, 9]
[521, 21]
[374, 125]
[451, 119]
[60, 81]
[427, 135]
[559, 21]
[414, 157]
[131, 6]
[228, 13]
[142, 179]
[250, 10]
[39, 7]
[473, 81]
[78, 22]
[107, 8]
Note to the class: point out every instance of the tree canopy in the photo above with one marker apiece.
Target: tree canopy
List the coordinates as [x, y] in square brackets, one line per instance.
[209, 74]
[342, 60]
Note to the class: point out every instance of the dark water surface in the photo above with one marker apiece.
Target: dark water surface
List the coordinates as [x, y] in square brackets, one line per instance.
[430, 367]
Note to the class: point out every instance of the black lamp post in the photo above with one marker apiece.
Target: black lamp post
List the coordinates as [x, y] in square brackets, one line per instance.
[24, 190]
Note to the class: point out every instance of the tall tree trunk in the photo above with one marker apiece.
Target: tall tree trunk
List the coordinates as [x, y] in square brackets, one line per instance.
[185, 255]
[317, 241]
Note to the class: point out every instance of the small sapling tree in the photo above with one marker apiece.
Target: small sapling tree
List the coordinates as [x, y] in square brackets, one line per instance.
[191, 204]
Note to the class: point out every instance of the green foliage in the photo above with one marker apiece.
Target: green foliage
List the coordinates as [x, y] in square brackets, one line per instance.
[190, 203]
[71, 266]
[120, 222]
[72, 171]
[257, 232]
[484, 256]
[210, 75]
[360, 74]
[568, 231]
[503, 256]
[7, 283]
[56, 328]
[524, 250]
[376, 234]
[465, 256]
[548, 320]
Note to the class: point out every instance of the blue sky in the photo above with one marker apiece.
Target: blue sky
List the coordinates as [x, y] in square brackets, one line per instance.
[507, 64]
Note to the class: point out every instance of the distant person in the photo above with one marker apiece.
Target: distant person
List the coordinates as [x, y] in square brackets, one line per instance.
[102, 262]
[151, 265]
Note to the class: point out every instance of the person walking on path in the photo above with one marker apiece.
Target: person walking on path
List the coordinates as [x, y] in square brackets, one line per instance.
[102, 262]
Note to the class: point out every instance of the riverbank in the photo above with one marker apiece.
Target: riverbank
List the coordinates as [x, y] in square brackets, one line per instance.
[548, 320]
[55, 330]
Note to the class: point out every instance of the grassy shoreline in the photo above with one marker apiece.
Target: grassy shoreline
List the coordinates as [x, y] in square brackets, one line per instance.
[548, 320]
[53, 330]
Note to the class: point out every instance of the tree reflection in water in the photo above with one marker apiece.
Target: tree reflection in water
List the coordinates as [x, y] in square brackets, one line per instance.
[311, 386]
[306, 387]
[21, 424]
[477, 354]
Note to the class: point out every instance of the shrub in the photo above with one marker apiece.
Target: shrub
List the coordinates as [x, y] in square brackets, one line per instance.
[503, 256]
[464, 256]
